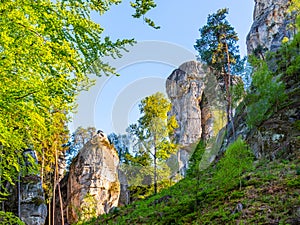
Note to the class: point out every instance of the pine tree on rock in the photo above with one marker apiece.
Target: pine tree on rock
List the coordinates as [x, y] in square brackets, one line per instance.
[217, 47]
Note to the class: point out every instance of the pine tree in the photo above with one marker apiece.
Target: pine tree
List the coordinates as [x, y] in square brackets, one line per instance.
[217, 47]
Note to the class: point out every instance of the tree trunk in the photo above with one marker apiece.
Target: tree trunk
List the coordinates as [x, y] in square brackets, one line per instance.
[155, 166]
[230, 113]
[19, 191]
[43, 164]
[53, 199]
[54, 186]
[56, 183]
[61, 206]
[49, 213]
[155, 172]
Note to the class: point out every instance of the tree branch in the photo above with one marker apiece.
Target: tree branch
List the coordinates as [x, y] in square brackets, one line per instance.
[24, 96]
[33, 31]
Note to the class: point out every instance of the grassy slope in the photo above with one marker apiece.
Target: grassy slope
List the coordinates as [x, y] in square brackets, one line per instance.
[270, 194]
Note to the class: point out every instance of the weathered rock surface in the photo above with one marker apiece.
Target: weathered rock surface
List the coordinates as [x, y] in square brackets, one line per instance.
[277, 136]
[93, 187]
[198, 102]
[124, 191]
[33, 210]
[270, 25]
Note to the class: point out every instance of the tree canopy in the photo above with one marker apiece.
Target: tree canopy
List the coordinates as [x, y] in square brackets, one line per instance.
[154, 129]
[217, 45]
[46, 49]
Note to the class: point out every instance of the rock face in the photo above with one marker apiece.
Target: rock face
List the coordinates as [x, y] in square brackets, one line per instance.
[277, 136]
[124, 191]
[198, 102]
[93, 187]
[270, 25]
[33, 210]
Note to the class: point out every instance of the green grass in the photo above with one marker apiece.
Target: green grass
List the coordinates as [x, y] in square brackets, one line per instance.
[270, 194]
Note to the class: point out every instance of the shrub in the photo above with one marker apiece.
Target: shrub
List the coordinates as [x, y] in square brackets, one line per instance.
[237, 159]
[195, 159]
[9, 218]
[267, 92]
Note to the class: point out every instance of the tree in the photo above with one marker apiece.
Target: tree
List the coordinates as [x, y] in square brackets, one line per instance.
[154, 130]
[46, 49]
[78, 139]
[122, 144]
[217, 46]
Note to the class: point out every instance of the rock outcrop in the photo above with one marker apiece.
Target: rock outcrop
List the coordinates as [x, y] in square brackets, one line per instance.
[93, 187]
[277, 136]
[198, 102]
[33, 210]
[270, 26]
[124, 191]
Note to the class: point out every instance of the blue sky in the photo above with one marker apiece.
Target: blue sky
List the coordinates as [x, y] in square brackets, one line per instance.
[111, 105]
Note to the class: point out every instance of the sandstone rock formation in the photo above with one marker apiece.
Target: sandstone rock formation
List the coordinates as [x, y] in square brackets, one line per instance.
[33, 210]
[277, 136]
[93, 187]
[198, 102]
[270, 25]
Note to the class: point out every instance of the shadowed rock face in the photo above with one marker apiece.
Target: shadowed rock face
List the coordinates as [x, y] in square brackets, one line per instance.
[124, 191]
[33, 210]
[198, 102]
[93, 187]
[270, 25]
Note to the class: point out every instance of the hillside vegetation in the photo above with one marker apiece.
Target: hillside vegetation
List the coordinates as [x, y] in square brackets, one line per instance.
[240, 187]
[265, 193]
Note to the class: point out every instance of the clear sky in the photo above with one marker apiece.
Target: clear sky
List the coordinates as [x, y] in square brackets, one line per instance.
[111, 105]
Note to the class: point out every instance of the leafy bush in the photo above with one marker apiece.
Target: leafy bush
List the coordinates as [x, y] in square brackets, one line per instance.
[195, 159]
[267, 93]
[9, 218]
[237, 159]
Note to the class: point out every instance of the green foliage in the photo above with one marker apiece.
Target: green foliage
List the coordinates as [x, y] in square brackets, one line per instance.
[88, 208]
[78, 139]
[237, 93]
[287, 59]
[294, 182]
[122, 144]
[141, 8]
[46, 49]
[295, 8]
[9, 218]
[217, 41]
[195, 159]
[237, 159]
[178, 204]
[152, 131]
[268, 92]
